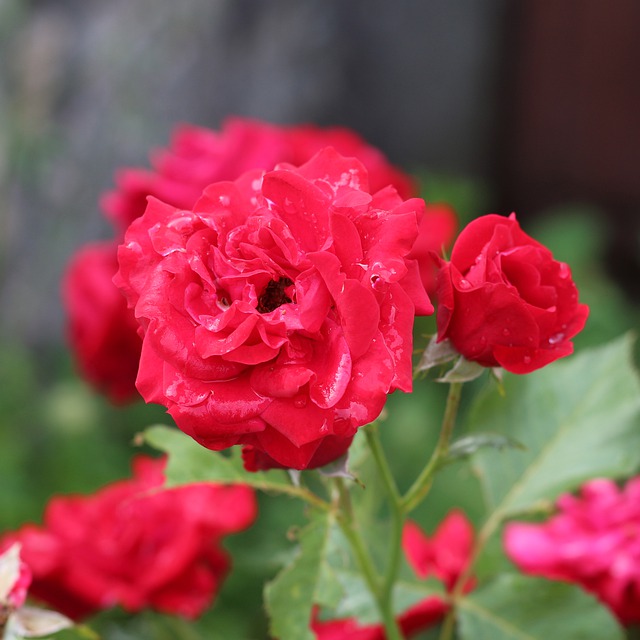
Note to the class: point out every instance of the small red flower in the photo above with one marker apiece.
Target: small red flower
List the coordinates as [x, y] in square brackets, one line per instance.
[504, 301]
[133, 546]
[593, 541]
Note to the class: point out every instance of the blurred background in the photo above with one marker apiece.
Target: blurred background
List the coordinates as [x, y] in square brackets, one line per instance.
[498, 106]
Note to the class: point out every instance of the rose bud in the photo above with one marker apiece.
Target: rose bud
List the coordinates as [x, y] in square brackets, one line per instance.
[504, 301]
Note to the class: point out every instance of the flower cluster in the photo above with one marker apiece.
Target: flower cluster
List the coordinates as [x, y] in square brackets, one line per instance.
[278, 311]
[593, 541]
[445, 556]
[131, 545]
[264, 290]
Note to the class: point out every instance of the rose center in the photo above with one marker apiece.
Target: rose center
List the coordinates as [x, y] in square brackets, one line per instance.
[274, 295]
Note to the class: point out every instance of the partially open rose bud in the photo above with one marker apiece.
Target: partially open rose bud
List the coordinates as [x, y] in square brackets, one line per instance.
[504, 301]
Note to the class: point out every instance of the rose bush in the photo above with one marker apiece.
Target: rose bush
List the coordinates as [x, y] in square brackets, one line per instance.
[101, 330]
[593, 541]
[278, 313]
[504, 301]
[131, 546]
[444, 556]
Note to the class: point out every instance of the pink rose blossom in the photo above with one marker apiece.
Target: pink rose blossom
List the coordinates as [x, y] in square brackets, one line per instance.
[593, 541]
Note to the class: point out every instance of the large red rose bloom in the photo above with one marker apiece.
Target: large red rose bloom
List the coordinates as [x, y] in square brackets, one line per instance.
[102, 332]
[278, 312]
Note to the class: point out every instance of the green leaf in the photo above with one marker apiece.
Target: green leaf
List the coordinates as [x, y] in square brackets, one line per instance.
[578, 419]
[468, 445]
[515, 607]
[462, 371]
[357, 601]
[407, 593]
[437, 353]
[190, 462]
[307, 581]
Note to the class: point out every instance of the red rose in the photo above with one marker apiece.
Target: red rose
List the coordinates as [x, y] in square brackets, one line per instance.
[445, 556]
[279, 311]
[102, 332]
[593, 541]
[197, 157]
[504, 301]
[129, 546]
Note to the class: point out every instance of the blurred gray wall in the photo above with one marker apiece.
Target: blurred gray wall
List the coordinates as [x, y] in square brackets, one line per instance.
[89, 85]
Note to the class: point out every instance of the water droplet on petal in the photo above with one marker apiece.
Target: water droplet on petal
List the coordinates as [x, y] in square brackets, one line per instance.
[527, 359]
[556, 337]
[464, 284]
[377, 282]
[506, 333]
[300, 402]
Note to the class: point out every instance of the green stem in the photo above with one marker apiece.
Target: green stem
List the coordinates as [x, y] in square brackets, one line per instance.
[87, 632]
[373, 440]
[446, 633]
[392, 630]
[419, 489]
[397, 514]
[298, 492]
